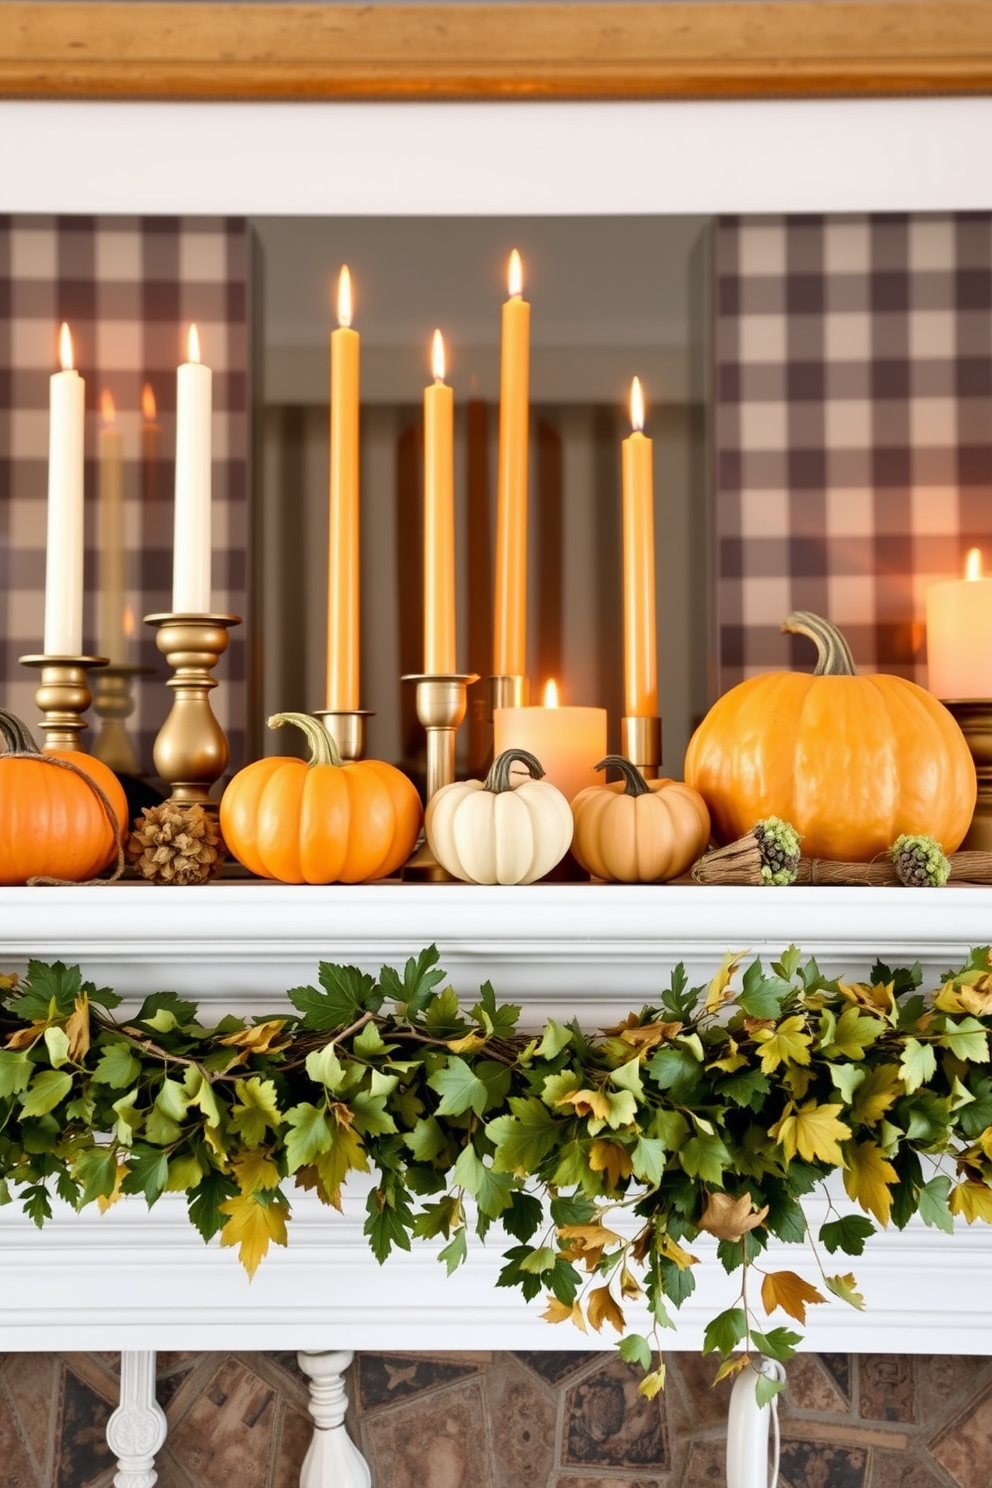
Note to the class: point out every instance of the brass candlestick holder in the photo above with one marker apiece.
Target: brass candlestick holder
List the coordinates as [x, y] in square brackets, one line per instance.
[506, 690]
[347, 729]
[640, 742]
[191, 749]
[974, 717]
[441, 703]
[63, 697]
[113, 703]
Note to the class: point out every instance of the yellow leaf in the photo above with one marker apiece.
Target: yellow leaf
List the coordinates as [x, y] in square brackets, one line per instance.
[587, 1103]
[877, 1093]
[787, 1290]
[610, 1158]
[587, 1242]
[602, 1308]
[105, 1201]
[731, 1219]
[813, 1131]
[346, 1153]
[261, 1038]
[785, 1043]
[867, 1178]
[254, 1170]
[720, 990]
[650, 1034]
[731, 1061]
[556, 1312]
[77, 1029]
[733, 1365]
[577, 1316]
[879, 999]
[252, 1225]
[630, 1287]
[845, 1287]
[972, 1201]
[672, 1251]
[468, 1043]
[651, 1384]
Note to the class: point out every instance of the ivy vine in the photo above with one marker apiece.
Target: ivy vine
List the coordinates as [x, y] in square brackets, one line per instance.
[600, 1158]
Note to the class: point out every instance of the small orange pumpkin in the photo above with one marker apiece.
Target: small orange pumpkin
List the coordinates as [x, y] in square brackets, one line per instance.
[852, 762]
[638, 831]
[320, 821]
[52, 824]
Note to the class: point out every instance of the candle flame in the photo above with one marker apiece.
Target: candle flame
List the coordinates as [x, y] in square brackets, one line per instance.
[344, 296]
[148, 408]
[107, 410]
[128, 621]
[515, 274]
[65, 348]
[437, 357]
[636, 406]
[973, 565]
[194, 344]
[551, 694]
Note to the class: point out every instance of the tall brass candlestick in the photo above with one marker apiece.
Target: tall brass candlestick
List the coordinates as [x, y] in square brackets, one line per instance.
[191, 750]
[441, 704]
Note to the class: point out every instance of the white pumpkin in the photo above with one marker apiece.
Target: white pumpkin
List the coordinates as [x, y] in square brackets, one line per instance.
[492, 832]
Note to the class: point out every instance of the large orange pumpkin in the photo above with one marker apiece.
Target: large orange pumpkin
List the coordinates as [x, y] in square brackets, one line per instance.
[852, 762]
[52, 824]
[320, 821]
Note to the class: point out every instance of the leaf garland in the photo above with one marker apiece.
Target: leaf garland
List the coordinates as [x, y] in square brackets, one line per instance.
[602, 1158]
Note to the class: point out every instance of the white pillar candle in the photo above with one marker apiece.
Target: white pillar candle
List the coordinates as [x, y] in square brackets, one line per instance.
[959, 634]
[568, 742]
[191, 546]
[64, 551]
[111, 635]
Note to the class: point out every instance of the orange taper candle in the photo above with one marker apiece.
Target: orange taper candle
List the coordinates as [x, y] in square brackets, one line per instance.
[510, 628]
[342, 567]
[640, 644]
[439, 520]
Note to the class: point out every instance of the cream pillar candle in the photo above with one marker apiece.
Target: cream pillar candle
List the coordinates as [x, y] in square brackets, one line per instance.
[192, 543]
[111, 631]
[510, 624]
[569, 742]
[64, 548]
[439, 520]
[959, 634]
[640, 642]
[343, 550]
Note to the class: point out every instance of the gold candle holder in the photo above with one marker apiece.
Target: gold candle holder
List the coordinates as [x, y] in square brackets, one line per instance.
[640, 742]
[974, 717]
[506, 690]
[63, 697]
[441, 703]
[347, 729]
[113, 703]
[191, 749]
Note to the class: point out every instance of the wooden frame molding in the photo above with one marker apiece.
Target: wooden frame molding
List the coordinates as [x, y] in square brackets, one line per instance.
[759, 48]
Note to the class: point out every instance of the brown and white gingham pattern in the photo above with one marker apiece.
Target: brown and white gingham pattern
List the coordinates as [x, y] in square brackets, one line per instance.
[853, 428]
[129, 288]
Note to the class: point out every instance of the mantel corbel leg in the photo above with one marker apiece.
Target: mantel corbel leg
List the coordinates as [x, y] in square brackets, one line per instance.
[137, 1428]
[332, 1460]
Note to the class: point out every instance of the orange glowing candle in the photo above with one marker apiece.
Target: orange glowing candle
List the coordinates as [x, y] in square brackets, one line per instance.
[569, 742]
[151, 437]
[510, 628]
[640, 641]
[439, 520]
[959, 634]
[342, 567]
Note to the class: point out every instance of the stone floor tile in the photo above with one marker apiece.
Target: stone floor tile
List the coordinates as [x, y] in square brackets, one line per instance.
[167, 1386]
[171, 1474]
[18, 1470]
[888, 1387]
[901, 1470]
[944, 1381]
[708, 1404]
[707, 1466]
[823, 1465]
[963, 1447]
[554, 1367]
[33, 1383]
[386, 1379]
[524, 1423]
[82, 1456]
[226, 1436]
[838, 1367]
[609, 1425]
[295, 1433]
[437, 1441]
[568, 1480]
[811, 1387]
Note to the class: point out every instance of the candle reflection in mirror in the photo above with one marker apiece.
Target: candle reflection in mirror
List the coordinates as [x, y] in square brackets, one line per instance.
[111, 594]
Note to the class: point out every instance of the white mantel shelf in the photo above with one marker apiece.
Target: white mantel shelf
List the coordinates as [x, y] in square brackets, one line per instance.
[135, 1280]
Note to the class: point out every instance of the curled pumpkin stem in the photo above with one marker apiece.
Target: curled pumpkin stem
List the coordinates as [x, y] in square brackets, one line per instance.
[323, 749]
[498, 779]
[634, 783]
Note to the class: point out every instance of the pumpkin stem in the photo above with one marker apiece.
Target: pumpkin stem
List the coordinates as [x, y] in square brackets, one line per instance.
[16, 735]
[323, 750]
[833, 654]
[498, 779]
[634, 783]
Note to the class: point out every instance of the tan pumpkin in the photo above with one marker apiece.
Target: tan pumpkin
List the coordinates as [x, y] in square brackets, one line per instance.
[852, 762]
[494, 832]
[638, 831]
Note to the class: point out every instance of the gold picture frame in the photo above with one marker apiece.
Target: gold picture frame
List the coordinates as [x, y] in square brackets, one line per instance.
[722, 49]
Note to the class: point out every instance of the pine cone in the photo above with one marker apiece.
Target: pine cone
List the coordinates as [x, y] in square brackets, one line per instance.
[174, 844]
[920, 862]
[779, 844]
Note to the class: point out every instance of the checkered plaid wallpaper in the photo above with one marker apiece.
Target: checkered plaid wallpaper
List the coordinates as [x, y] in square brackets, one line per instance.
[129, 288]
[853, 383]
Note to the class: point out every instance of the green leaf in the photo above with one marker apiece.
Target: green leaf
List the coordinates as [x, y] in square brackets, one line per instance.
[347, 993]
[456, 1250]
[777, 1343]
[57, 1044]
[500, 1021]
[766, 1388]
[96, 1169]
[856, 1032]
[568, 1209]
[917, 1065]
[427, 1141]
[725, 1331]
[147, 1173]
[389, 1221]
[309, 1135]
[524, 1138]
[256, 1110]
[420, 976]
[628, 1077]
[676, 1070]
[371, 1117]
[761, 996]
[705, 1157]
[459, 1087]
[182, 1012]
[556, 1037]
[745, 1088]
[50, 990]
[116, 1067]
[437, 1219]
[205, 1200]
[490, 1190]
[36, 1203]
[443, 1015]
[933, 1204]
[678, 1282]
[16, 1070]
[523, 1215]
[848, 1234]
[967, 1039]
[45, 1091]
[324, 1068]
[635, 1350]
[542, 1259]
[847, 1078]
[648, 1160]
[845, 1288]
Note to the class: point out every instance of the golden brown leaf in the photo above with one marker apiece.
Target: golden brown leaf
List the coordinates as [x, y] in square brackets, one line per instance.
[601, 1307]
[787, 1290]
[587, 1103]
[610, 1158]
[261, 1038]
[556, 1312]
[252, 1226]
[77, 1028]
[731, 1219]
